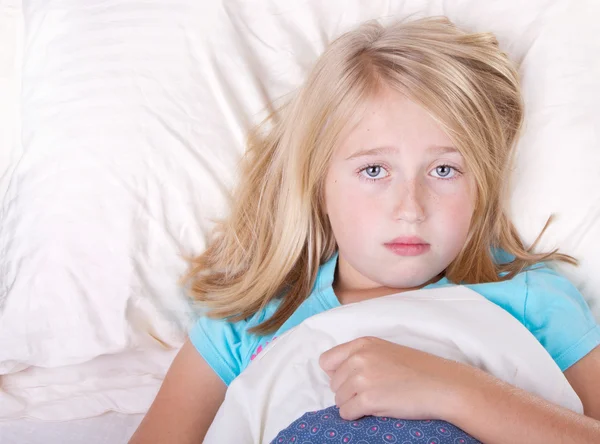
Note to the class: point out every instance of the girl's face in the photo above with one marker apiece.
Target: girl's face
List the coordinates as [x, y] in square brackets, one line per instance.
[398, 197]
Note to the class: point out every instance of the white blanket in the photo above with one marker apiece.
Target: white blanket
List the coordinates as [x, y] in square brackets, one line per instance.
[285, 381]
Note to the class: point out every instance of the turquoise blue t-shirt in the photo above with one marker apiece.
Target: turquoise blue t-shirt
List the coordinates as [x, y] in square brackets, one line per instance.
[546, 303]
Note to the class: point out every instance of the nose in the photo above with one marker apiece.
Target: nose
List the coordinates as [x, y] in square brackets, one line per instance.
[409, 202]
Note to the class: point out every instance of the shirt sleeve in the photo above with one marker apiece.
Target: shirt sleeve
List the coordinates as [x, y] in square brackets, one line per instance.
[559, 317]
[222, 344]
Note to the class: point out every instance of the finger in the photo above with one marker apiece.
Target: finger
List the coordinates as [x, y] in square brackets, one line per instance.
[350, 388]
[356, 407]
[347, 369]
[331, 359]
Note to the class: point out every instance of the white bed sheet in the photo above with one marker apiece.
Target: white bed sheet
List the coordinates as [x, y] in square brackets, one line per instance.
[111, 428]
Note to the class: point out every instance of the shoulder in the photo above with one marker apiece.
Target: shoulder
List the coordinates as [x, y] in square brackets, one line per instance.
[558, 311]
[226, 346]
[551, 308]
[549, 294]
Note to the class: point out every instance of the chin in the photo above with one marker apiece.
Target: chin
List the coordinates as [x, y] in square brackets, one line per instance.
[404, 281]
[405, 277]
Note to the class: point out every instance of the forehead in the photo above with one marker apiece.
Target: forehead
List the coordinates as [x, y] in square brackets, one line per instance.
[390, 118]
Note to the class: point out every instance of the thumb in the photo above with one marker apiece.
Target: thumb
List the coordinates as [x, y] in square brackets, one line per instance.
[334, 357]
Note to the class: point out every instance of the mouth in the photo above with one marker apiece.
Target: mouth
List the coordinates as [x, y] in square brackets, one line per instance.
[408, 246]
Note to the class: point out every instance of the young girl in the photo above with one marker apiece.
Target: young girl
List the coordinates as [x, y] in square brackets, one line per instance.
[386, 172]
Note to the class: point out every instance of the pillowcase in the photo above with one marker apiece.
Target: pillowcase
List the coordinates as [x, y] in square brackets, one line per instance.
[11, 48]
[134, 119]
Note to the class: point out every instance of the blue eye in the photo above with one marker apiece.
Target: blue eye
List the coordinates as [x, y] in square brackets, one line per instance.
[444, 171]
[373, 172]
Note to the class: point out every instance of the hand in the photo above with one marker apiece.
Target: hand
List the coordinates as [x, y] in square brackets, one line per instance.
[371, 376]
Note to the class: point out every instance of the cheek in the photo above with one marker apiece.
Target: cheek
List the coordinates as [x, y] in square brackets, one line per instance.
[351, 212]
[457, 214]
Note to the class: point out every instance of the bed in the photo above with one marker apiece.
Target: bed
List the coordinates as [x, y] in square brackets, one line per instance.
[122, 124]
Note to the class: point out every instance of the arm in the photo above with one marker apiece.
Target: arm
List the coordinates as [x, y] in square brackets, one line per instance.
[185, 404]
[496, 412]
[371, 376]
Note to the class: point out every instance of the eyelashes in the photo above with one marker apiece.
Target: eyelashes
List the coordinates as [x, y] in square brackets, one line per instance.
[372, 172]
[366, 171]
[451, 170]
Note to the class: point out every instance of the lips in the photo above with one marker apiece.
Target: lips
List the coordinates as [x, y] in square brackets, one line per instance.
[408, 246]
[408, 240]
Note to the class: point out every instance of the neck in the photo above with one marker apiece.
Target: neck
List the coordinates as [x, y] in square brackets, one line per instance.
[349, 296]
[349, 288]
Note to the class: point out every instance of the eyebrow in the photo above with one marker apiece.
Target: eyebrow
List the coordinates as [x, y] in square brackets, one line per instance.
[438, 149]
[373, 152]
[442, 149]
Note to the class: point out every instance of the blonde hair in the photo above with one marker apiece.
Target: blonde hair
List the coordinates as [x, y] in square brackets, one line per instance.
[277, 233]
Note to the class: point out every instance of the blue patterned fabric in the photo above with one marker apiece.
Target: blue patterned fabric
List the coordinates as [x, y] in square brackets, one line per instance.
[327, 427]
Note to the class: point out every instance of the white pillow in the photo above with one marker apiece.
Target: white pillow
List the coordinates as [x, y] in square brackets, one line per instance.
[559, 152]
[11, 49]
[134, 117]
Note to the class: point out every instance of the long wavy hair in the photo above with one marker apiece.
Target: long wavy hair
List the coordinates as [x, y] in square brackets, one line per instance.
[277, 233]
